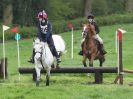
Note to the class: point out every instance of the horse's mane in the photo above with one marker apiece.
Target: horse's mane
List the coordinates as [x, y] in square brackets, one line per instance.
[91, 28]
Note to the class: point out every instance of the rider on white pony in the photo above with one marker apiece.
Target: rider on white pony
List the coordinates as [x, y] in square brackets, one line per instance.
[97, 37]
[45, 34]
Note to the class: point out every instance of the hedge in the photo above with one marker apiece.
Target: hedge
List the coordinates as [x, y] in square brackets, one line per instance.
[62, 25]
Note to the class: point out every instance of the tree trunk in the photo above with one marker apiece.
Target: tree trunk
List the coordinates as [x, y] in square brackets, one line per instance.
[7, 14]
[87, 6]
[129, 5]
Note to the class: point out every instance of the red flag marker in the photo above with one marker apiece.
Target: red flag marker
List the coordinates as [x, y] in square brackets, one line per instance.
[119, 35]
[70, 25]
[15, 30]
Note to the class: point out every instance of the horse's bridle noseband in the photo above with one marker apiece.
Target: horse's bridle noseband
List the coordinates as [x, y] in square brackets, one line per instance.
[84, 34]
[38, 52]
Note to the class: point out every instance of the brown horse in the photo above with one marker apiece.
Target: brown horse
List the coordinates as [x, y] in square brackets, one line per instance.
[91, 46]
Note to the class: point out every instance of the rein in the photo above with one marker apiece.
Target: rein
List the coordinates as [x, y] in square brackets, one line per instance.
[41, 57]
[38, 52]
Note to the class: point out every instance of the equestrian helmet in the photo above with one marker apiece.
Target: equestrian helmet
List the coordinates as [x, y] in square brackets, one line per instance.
[42, 15]
[90, 16]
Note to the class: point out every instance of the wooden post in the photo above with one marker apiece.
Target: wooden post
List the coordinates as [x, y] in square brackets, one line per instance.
[120, 66]
[98, 77]
[2, 68]
[120, 58]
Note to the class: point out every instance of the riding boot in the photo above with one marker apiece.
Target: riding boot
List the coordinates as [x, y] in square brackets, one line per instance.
[58, 59]
[54, 52]
[32, 58]
[103, 50]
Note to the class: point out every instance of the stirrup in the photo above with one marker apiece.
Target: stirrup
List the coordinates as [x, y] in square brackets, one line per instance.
[58, 60]
[104, 52]
[31, 61]
[80, 53]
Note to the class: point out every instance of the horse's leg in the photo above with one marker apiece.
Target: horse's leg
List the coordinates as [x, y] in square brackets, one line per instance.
[101, 60]
[38, 75]
[84, 61]
[91, 60]
[57, 65]
[53, 66]
[47, 75]
[91, 63]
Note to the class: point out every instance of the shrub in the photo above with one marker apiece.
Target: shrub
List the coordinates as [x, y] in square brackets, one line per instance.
[62, 25]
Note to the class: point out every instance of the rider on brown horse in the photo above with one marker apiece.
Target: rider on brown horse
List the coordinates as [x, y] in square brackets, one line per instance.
[97, 37]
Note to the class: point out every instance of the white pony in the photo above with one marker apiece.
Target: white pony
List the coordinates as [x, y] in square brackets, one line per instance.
[43, 56]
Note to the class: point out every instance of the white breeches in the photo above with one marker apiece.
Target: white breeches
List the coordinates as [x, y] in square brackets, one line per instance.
[97, 37]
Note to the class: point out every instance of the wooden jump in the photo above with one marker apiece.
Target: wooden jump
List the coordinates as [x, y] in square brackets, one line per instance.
[98, 71]
[128, 71]
[25, 70]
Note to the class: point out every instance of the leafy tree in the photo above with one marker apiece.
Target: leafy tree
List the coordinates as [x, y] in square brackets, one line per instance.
[58, 9]
[116, 6]
[99, 7]
[7, 11]
[87, 6]
[24, 12]
[129, 6]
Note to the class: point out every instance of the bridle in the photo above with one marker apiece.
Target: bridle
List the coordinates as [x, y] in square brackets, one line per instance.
[84, 32]
[40, 52]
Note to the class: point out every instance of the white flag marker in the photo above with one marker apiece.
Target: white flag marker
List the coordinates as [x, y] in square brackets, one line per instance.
[4, 29]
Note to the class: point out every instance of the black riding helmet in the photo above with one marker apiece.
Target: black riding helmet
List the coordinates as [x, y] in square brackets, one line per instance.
[90, 16]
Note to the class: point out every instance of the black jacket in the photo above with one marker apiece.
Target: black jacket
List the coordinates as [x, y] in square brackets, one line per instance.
[48, 32]
[96, 27]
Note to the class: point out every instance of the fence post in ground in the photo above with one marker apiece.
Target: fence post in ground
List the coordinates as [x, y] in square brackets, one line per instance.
[120, 64]
[98, 77]
[3, 68]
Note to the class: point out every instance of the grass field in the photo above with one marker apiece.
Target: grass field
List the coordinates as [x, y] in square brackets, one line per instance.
[70, 86]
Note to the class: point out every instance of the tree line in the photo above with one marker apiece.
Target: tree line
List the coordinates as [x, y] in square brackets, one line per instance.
[24, 12]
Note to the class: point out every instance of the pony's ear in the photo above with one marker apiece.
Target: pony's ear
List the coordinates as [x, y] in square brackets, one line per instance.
[34, 39]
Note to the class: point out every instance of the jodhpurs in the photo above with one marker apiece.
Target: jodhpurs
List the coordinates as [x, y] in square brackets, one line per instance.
[97, 37]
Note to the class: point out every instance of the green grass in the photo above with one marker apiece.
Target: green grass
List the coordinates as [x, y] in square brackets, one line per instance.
[69, 86]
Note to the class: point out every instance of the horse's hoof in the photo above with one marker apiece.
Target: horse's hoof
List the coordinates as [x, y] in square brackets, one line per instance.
[85, 65]
[37, 84]
[47, 84]
[57, 67]
[52, 66]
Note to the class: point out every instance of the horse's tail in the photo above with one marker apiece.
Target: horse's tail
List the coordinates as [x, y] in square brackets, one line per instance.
[59, 43]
